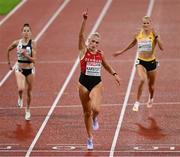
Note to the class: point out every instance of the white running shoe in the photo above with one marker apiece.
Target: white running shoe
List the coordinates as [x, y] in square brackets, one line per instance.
[27, 115]
[95, 124]
[20, 102]
[90, 144]
[136, 106]
[150, 102]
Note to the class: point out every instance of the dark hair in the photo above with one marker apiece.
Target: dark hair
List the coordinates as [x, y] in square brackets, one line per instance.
[26, 25]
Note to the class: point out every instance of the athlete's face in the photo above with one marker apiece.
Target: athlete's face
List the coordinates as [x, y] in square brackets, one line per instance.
[93, 42]
[146, 24]
[26, 32]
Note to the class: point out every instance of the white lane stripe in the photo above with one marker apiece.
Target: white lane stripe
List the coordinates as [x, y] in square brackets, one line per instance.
[150, 8]
[12, 12]
[107, 5]
[77, 106]
[7, 75]
[9, 144]
[38, 36]
[122, 113]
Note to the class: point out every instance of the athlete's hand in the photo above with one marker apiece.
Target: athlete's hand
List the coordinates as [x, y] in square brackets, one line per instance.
[10, 67]
[24, 53]
[118, 80]
[85, 14]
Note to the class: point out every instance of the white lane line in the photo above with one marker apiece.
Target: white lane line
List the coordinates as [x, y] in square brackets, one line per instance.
[122, 113]
[39, 36]
[100, 18]
[7, 144]
[79, 106]
[12, 12]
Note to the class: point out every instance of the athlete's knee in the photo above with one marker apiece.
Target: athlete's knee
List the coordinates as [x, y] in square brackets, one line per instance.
[142, 81]
[151, 87]
[95, 106]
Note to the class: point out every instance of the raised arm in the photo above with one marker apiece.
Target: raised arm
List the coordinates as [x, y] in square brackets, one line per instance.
[10, 48]
[81, 35]
[130, 45]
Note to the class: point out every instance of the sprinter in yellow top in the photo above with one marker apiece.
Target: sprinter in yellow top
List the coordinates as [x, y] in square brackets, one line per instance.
[146, 63]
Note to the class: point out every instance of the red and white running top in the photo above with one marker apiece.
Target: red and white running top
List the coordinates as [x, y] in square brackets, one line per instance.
[91, 63]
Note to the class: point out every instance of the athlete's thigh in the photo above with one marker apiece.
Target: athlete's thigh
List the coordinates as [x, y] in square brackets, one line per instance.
[141, 72]
[96, 94]
[20, 79]
[84, 97]
[30, 80]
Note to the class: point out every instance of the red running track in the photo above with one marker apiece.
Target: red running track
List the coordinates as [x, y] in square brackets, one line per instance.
[146, 133]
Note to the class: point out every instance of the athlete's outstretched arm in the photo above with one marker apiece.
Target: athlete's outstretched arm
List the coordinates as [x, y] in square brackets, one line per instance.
[130, 45]
[81, 34]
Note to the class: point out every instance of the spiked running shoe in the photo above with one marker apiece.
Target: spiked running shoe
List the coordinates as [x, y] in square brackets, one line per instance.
[150, 102]
[136, 106]
[27, 115]
[90, 144]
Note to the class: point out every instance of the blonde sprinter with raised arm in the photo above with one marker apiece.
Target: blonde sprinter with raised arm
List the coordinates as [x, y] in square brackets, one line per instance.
[90, 84]
[24, 70]
[146, 63]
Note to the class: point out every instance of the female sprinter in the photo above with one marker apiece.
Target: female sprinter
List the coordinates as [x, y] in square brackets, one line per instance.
[90, 85]
[146, 62]
[24, 70]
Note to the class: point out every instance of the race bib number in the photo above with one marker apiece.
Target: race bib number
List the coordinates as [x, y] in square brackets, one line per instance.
[145, 45]
[93, 69]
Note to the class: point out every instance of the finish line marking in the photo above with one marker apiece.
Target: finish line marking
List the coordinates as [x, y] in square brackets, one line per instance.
[154, 148]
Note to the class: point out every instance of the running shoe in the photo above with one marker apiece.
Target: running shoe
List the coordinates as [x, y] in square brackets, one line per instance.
[27, 115]
[20, 102]
[150, 102]
[95, 124]
[90, 144]
[136, 106]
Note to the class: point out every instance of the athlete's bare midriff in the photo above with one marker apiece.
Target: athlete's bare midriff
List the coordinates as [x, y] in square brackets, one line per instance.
[25, 65]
